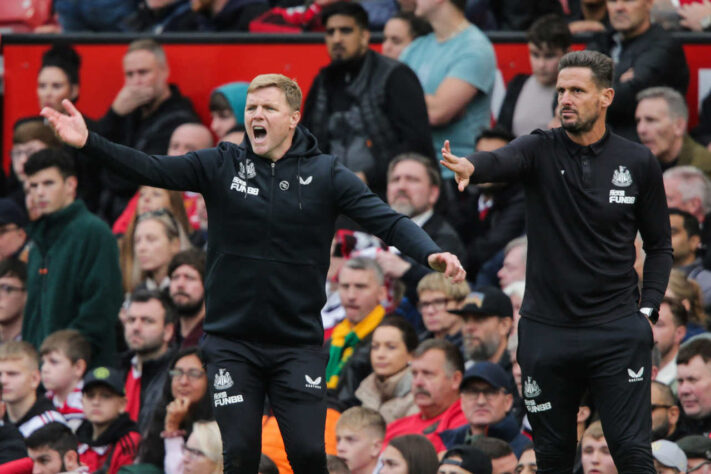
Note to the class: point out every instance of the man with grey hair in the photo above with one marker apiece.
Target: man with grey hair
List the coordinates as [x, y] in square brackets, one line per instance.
[584, 324]
[689, 189]
[514, 266]
[662, 117]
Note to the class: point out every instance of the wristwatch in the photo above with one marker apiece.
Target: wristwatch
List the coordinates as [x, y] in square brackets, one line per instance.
[651, 314]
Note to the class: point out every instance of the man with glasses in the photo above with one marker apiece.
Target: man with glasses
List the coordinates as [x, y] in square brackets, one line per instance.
[486, 400]
[698, 453]
[665, 413]
[437, 295]
[13, 295]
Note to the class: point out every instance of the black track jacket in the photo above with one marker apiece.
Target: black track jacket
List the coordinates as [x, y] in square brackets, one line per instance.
[270, 231]
[584, 206]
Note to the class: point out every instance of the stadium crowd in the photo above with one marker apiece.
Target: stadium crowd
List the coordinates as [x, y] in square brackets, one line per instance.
[102, 283]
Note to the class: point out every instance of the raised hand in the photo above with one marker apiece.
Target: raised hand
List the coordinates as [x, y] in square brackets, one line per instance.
[462, 167]
[448, 264]
[71, 129]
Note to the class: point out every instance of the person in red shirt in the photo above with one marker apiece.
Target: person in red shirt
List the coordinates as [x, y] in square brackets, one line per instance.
[437, 368]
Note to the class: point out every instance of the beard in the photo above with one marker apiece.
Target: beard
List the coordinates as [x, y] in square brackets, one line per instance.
[190, 308]
[481, 350]
[579, 126]
[661, 432]
[405, 208]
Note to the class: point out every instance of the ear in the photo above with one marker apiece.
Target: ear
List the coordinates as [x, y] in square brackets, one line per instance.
[457, 379]
[673, 415]
[377, 447]
[679, 127]
[79, 368]
[679, 334]
[434, 195]
[74, 92]
[122, 406]
[606, 96]
[71, 184]
[168, 332]
[71, 460]
[509, 402]
[294, 119]
[694, 242]
[505, 325]
[35, 379]
[382, 293]
[366, 37]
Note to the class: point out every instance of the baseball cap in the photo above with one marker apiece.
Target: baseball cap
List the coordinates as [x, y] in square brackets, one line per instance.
[107, 376]
[10, 213]
[486, 301]
[696, 446]
[473, 460]
[669, 454]
[489, 372]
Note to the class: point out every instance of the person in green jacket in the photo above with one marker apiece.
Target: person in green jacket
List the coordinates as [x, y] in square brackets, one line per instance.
[74, 280]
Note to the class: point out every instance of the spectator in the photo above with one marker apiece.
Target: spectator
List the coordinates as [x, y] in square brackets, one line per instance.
[668, 457]
[388, 388]
[409, 454]
[595, 456]
[202, 453]
[74, 281]
[527, 105]
[487, 399]
[363, 107]
[187, 291]
[527, 461]
[487, 315]
[227, 109]
[437, 368]
[687, 188]
[336, 465]
[662, 118]
[184, 400]
[515, 293]
[65, 357]
[143, 116]
[458, 90]
[465, 460]
[698, 453]
[686, 241]
[161, 16]
[669, 331]
[688, 293]
[13, 295]
[104, 15]
[514, 267]
[13, 238]
[401, 30]
[53, 449]
[693, 368]
[149, 326]
[413, 189]
[503, 459]
[644, 56]
[108, 437]
[437, 295]
[19, 378]
[665, 413]
[58, 78]
[189, 137]
[359, 434]
[227, 15]
[361, 287]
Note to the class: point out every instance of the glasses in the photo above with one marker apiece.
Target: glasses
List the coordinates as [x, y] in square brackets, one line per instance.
[696, 468]
[654, 407]
[194, 374]
[489, 393]
[9, 289]
[193, 452]
[438, 304]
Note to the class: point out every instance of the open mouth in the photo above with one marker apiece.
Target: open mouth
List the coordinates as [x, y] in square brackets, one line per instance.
[259, 133]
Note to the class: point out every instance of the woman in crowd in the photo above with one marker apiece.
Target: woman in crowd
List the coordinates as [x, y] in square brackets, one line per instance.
[688, 292]
[387, 389]
[58, 77]
[202, 452]
[401, 30]
[409, 454]
[185, 401]
[227, 109]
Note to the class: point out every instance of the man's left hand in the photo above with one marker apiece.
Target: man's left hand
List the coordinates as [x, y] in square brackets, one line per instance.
[448, 264]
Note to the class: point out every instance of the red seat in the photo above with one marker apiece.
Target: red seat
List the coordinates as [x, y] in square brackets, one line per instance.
[24, 15]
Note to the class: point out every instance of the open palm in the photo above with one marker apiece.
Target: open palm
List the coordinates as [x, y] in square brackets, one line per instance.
[70, 128]
[462, 167]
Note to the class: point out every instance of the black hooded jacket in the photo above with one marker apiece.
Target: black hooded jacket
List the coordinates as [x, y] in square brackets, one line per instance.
[270, 232]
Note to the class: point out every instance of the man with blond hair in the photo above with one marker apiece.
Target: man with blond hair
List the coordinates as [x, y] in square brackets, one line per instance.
[272, 201]
[437, 295]
[359, 436]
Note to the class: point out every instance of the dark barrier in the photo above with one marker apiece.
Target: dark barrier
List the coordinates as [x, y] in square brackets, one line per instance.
[200, 62]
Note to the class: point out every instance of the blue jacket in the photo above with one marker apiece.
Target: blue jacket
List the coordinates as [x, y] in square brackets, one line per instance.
[506, 430]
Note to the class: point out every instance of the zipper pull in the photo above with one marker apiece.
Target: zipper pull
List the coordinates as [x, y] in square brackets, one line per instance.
[273, 166]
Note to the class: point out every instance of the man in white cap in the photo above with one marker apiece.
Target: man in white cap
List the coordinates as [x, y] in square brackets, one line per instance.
[668, 457]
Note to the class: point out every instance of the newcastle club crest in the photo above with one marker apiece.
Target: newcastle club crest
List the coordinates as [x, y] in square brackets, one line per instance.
[246, 169]
[622, 177]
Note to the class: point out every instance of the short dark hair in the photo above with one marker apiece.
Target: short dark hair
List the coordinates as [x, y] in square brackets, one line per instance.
[409, 336]
[51, 158]
[452, 354]
[494, 448]
[142, 295]
[690, 222]
[700, 346]
[495, 133]
[550, 31]
[55, 436]
[432, 172]
[418, 26]
[350, 9]
[14, 267]
[65, 58]
[194, 258]
[600, 65]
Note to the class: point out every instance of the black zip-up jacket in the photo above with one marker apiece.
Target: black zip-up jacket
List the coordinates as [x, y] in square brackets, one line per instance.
[270, 232]
[584, 206]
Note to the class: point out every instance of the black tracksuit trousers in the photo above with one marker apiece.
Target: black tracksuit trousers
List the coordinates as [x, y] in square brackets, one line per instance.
[613, 361]
[241, 373]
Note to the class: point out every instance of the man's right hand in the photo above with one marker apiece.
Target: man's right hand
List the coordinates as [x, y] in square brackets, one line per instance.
[130, 98]
[462, 167]
[71, 129]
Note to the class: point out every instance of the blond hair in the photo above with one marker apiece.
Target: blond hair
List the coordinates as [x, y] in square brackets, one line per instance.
[594, 431]
[291, 89]
[18, 350]
[207, 435]
[361, 418]
[438, 282]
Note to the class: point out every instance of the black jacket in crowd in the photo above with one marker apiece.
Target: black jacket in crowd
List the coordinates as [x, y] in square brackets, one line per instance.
[271, 227]
[584, 206]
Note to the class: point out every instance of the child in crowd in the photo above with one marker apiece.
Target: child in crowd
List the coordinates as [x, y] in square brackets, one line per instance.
[108, 437]
[359, 433]
[65, 357]
[20, 377]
